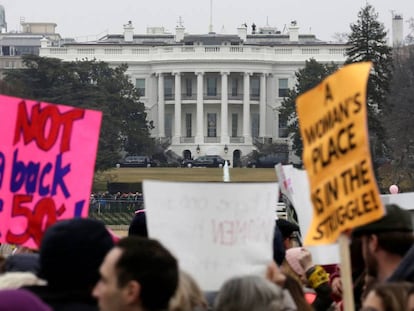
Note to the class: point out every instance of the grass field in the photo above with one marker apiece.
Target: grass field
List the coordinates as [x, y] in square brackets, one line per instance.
[182, 174]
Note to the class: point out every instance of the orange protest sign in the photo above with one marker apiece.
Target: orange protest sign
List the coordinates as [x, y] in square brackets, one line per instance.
[333, 124]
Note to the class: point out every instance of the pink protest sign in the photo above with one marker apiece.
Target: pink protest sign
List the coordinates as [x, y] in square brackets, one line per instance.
[47, 159]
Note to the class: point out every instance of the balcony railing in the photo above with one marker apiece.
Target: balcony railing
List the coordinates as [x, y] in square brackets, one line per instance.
[208, 139]
[188, 96]
[236, 139]
[187, 140]
[235, 96]
[323, 52]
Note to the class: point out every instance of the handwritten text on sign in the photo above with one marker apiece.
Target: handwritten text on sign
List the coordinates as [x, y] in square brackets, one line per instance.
[47, 158]
[216, 230]
[333, 123]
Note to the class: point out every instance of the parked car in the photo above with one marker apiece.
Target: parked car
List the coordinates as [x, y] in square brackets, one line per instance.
[138, 161]
[205, 161]
[268, 161]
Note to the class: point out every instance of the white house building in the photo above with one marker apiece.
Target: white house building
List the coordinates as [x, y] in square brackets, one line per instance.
[211, 93]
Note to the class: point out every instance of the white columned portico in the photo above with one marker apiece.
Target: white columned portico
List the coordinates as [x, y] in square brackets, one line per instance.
[161, 106]
[225, 139]
[199, 139]
[177, 108]
[247, 133]
[262, 106]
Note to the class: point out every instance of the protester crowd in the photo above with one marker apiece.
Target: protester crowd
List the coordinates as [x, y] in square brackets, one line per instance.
[81, 266]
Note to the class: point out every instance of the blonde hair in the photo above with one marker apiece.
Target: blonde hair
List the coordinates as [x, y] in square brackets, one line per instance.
[287, 269]
[188, 295]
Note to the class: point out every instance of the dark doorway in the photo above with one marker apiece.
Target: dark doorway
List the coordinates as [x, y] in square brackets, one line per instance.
[187, 154]
[236, 158]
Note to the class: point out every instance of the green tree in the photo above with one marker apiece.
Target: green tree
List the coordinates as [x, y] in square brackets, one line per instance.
[368, 42]
[88, 84]
[306, 78]
[398, 123]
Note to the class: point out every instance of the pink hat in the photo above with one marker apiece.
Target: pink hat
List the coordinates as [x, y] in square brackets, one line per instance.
[292, 255]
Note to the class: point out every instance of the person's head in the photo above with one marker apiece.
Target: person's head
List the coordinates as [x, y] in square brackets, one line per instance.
[25, 262]
[139, 273]
[71, 252]
[21, 300]
[410, 299]
[188, 296]
[390, 235]
[386, 297]
[287, 229]
[249, 293]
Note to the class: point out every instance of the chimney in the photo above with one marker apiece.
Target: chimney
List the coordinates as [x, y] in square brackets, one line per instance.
[242, 32]
[128, 32]
[179, 33]
[397, 30]
[293, 32]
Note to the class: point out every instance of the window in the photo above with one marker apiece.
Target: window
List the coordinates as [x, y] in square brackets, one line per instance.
[168, 87]
[188, 87]
[188, 124]
[234, 86]
[255, 86]
[168, 125]
[140, 85]
[283, 87]
[234, 124]
[255, 124]
[211, 86]
[283, 124]
[211, 125]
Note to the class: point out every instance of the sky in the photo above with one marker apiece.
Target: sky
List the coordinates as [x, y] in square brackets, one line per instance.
[91, 19]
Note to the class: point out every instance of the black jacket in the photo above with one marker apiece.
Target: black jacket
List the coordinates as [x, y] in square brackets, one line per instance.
[65, 300]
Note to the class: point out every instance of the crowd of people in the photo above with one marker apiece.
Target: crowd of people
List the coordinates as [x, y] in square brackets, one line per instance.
[81, 266]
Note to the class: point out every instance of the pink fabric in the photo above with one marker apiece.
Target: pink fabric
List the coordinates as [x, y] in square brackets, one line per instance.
[292, 259]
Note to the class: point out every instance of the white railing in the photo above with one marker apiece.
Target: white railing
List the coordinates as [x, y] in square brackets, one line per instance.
[322, 53]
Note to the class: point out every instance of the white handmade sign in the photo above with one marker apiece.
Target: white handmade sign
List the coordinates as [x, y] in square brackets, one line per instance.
[216, 230]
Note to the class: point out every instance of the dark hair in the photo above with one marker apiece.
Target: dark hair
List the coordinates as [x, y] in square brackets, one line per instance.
[395, 242]
[393, 295]
[152, 266]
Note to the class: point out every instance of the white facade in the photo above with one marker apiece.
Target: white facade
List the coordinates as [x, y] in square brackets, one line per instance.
[210, 94]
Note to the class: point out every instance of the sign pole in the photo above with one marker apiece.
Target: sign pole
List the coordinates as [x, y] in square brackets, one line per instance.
[346, 273]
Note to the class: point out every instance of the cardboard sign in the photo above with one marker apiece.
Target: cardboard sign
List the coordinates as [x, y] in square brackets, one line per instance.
[298, 193]
[216, 230]
[47, 159]
[333, 125]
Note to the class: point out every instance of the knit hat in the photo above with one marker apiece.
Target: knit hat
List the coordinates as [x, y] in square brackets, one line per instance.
[138, 224]
[22, 263]
[286, 227]
[21, 300]
[72, 251]
[396, 219]
[292, 255]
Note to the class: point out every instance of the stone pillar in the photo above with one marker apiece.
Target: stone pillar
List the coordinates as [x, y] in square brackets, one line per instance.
[247, 132]
[177, 108]
[199, 138]
[224, 108]
[262, 107]
[161, 106]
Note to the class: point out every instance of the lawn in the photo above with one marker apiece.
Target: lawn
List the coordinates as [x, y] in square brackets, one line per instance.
[182, 174]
